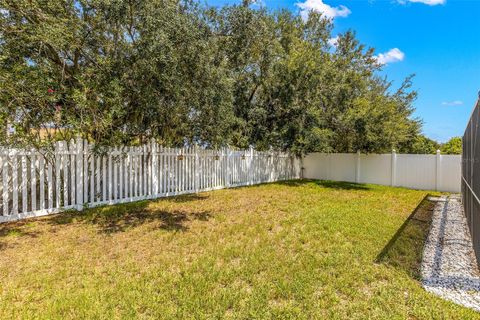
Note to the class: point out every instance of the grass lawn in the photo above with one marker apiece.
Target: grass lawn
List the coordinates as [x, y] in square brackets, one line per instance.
[299, 250]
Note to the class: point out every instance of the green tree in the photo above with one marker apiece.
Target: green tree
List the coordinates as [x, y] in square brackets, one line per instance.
[125, 71]
[420, 145]
[453, 146]
[310, 97]
[114, 72]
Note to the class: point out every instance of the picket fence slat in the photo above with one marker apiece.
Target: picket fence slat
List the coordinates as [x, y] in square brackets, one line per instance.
[130, 168]
[104, 178]
[64, 165]
[97, 172]
[14, 184]
[33, 180]
[92, 180]
[50, 184]
[73, 176]
[41, 176]
[115, 165]
[5, 193]
[110, 184]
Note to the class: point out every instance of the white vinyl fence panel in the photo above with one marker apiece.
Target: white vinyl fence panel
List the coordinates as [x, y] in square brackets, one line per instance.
[375, 168]
[73, 176]
[417, 171]
[426, 172]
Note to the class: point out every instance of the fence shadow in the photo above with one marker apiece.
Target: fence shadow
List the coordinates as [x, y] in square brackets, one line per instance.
[110, 219]
[17, 229]
[340, 185]
[186, 198]
[405, 248]
[119, 218]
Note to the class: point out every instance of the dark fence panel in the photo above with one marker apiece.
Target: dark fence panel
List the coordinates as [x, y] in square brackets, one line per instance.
[471, 177]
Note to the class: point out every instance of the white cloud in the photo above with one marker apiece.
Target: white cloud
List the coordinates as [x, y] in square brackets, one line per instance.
[427, 2]
[258, 3]
[323, 8]
[393, 55]
[452, 103]
[333, 41]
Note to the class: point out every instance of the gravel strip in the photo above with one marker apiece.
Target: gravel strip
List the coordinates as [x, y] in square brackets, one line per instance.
[449, 266]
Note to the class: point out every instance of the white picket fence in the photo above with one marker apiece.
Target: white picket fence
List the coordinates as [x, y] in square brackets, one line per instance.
[415, 171]
[36, 183]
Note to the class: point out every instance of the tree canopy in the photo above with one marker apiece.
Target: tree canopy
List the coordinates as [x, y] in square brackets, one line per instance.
[125, 71]
[420, 145]
[452, 146]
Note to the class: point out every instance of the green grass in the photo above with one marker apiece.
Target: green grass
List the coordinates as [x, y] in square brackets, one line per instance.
[298, 250]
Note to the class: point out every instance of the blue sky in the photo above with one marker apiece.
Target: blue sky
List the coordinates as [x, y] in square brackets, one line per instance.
[438, 40]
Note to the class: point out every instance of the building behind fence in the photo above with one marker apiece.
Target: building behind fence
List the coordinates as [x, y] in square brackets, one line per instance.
[471, 177]
[35, 183]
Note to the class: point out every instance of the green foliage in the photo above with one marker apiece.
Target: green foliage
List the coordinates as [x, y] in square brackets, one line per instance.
[420, 145]
[453, 146]
[114, 72]
[423, 145]
[126, 71]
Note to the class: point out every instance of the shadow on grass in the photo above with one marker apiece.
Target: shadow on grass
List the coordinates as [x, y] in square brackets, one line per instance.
[119, 218]
[110, 219]
[18, 229]
[186, 198]
[405, 248]
[340, 185]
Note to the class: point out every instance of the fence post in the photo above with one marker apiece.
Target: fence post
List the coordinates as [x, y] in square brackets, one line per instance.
[394, 168]
[357, 168]
[438, 171]
[79, 174]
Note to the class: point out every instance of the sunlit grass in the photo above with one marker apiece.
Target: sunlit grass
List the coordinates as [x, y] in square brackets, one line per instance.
[299, 250]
